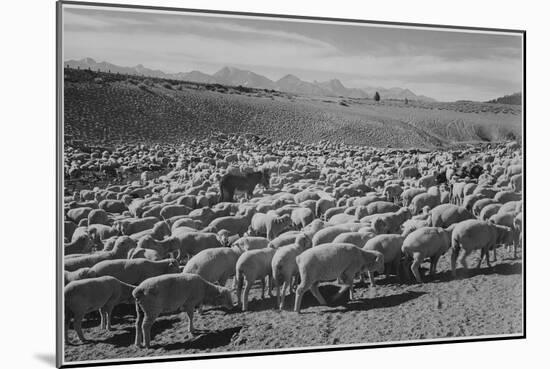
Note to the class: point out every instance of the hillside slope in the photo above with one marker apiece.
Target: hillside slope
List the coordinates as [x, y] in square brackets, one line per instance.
[104, 107]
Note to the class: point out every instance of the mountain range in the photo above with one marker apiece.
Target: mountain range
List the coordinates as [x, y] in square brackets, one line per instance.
[238, 77]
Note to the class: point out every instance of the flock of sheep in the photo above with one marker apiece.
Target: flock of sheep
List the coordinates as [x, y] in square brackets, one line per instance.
[286, 214]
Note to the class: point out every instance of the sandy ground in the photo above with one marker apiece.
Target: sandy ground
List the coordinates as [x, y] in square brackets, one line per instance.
[479, 302]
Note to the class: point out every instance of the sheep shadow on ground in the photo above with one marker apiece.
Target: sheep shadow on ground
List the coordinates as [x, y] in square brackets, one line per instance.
[500, 269]
[126, 336]
[382, 301]
[205, 340]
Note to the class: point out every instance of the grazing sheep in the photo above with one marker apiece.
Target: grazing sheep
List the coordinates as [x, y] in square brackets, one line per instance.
[355, 238]
[172, 292]
[410, 194]
[135, 271]
[474, 234]
[379, 207]
[489, 211]
[286, 238]
[159, 231]
[251, 266]
[77, 214]
[426, 242]
[447, 214]
[236, 224]
[390, 246]
[506, 196]
[469, 200]
[151, 249]
[98, 216]
[332, 261]
[87, 295]
[113, 206]
[425, 199]
[323, 205]
[251, 243]
[284, 267]
[328, 234]
[392, 192]
[427, 181]
[215, 265]
[480, 204]
[130, 226]
[78, 274]
[301, 217]
[170, 211]
[412, 225]
[82, 245]
[120, 250]
[191, 243]
[277, 225]
[391, 222]
[516, 182]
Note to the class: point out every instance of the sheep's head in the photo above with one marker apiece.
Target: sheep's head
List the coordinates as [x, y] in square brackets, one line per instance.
[374, 261]
[222, 297]
[504, 235]
[172, 266]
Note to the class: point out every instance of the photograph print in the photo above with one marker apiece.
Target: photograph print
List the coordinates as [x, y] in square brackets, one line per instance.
[239, 184]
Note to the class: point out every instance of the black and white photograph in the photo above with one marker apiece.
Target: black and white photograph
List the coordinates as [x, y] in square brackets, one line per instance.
[240, 184]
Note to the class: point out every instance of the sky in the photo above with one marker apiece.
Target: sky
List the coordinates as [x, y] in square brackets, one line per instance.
[445, 65]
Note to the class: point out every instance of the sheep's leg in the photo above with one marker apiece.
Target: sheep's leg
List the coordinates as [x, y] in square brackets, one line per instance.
[139, 322]
[78, 326]
[487, 257]
[454, 256]
[278, 293]
[415, 269]
[433, 265]
[263, 288]
[494, 253]
[146, 328]
[481, 256]
[298, 300]
[285, 286]
[396, 264]
[109, 316]
[269, 285]
[463, 259]
[103, 318]
[371, 279]
[315, 291]
[189, 312]
[239, 287]
[245, 294]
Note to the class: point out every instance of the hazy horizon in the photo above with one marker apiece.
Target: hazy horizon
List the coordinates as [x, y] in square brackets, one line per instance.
[445, 65]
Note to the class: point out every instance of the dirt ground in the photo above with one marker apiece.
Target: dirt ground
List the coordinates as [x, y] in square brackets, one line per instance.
[479, 302]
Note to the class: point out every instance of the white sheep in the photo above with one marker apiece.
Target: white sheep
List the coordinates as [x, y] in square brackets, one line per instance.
[390, 246]
[135, 271]
[78, 274]
[284, 267]
[120, 250]
[87, 295]
[332, 261]
[474, 234]
[251, 266]
[172, 292]
[215, 265]
[391, 222]
[425, 242]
